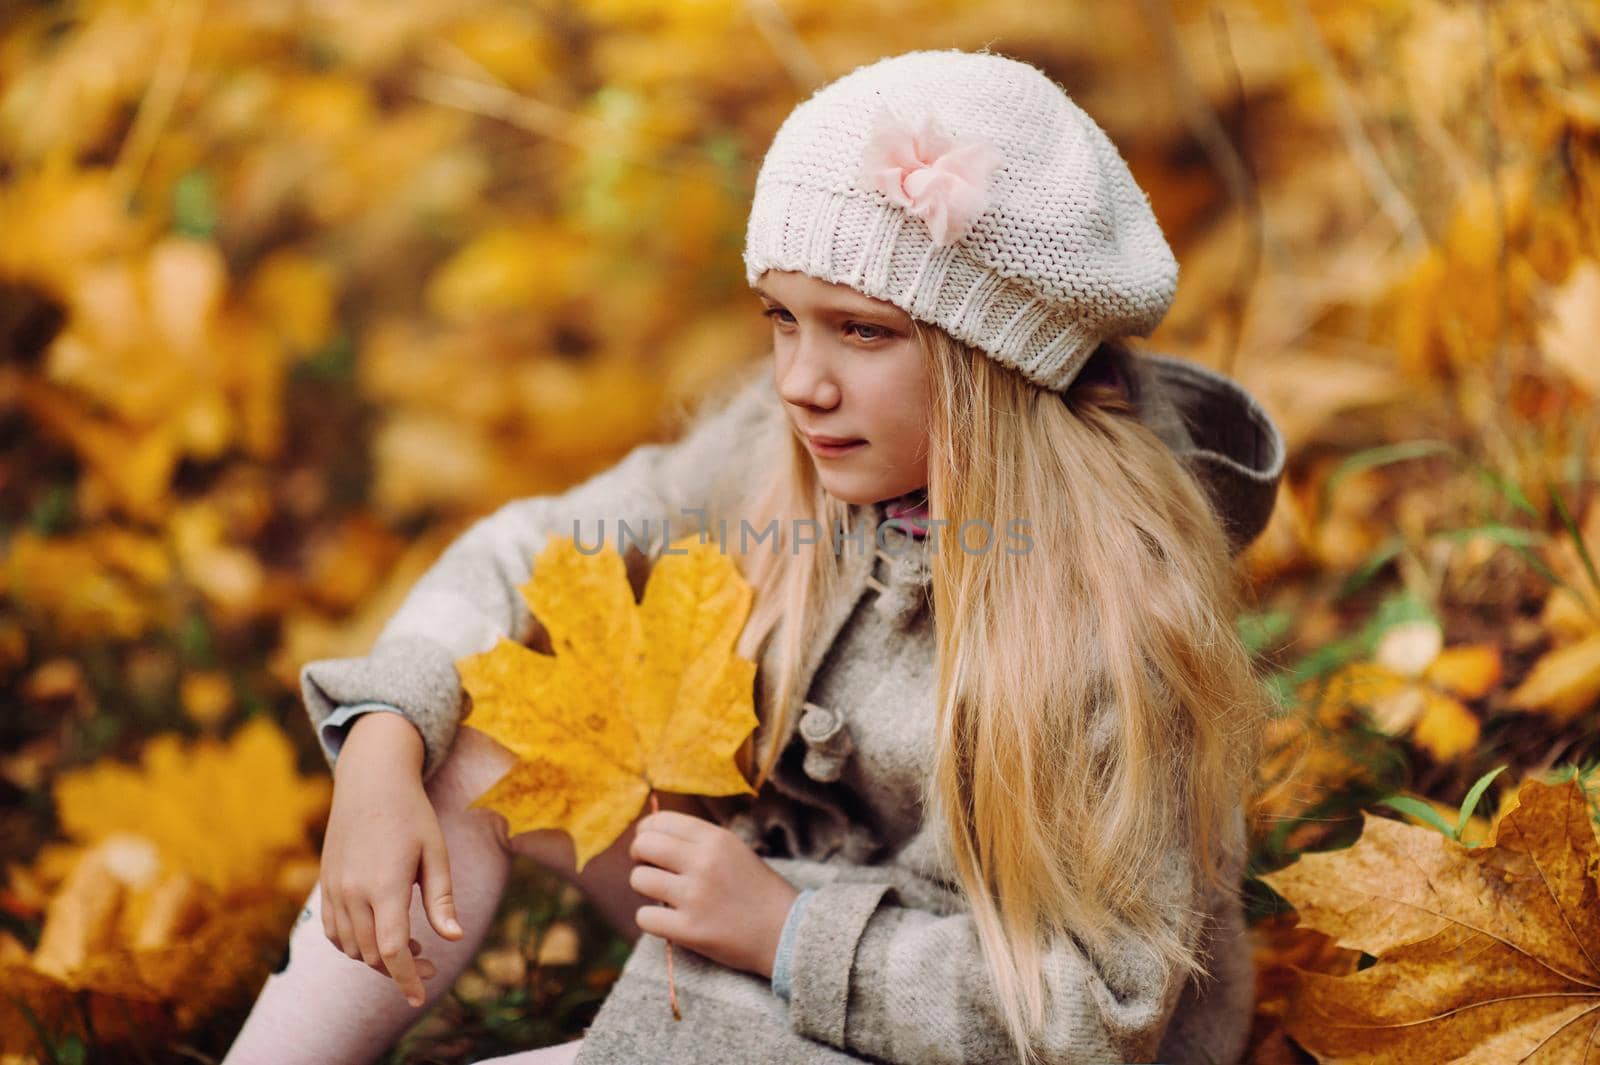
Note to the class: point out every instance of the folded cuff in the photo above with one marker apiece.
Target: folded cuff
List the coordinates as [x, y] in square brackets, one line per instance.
[824, 954]
[336, 726]
[781, 960]
[411, 674]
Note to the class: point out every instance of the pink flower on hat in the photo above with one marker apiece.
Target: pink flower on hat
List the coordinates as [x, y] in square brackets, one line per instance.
[940, 179]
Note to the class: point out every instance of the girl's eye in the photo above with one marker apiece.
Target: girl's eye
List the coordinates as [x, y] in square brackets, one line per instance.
[877, 332]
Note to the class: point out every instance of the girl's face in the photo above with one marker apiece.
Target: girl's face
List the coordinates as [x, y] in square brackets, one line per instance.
[849, 367]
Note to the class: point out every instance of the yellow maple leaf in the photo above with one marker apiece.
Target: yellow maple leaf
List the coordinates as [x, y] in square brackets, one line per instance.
[637, 696]
[176, 895]
[226, 812]
[1484, 954]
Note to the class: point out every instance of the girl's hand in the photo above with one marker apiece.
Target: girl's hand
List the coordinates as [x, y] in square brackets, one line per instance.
[721, 899]
[383, 836]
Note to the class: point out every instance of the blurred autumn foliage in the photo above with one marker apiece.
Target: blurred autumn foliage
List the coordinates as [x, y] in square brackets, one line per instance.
[291, 293]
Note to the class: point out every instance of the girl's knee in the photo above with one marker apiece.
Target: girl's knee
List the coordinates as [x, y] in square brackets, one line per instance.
[472, 765]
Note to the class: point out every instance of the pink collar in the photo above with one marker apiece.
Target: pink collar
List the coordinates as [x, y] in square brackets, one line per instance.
[911, 511]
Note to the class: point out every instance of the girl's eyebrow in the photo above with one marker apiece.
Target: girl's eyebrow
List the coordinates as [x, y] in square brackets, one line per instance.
[882, 312]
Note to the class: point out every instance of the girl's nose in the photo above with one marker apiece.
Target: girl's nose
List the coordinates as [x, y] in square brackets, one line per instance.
[805, 380]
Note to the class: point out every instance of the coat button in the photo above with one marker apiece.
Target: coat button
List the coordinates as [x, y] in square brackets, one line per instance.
[828, 742]
[907, 594]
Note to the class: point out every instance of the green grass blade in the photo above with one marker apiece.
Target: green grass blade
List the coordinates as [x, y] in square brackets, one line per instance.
[1373, 457]
[1261, 630]
[1419, 809]
[1505, 535]
[1577, 536]
[46, 1044]
[1470, 803]
[1510, 491]
[1370, 566]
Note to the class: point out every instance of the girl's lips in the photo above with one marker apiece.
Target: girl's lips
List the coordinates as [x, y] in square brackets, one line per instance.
[831, 450]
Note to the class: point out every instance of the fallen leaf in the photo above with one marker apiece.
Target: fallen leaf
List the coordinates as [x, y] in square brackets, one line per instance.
[1568, 337]
[176, 899]
[504, 966]
[1564, 683]
[1446, 729]
[1282, 950]
[81, 918]
[226, 812]
[207, 697]
[1416, 685]
[558, 945]
[1483, 954]
[1469, 671]
[1410, 646]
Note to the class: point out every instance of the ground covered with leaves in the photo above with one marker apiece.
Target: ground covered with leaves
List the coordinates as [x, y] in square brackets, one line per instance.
[288, 296]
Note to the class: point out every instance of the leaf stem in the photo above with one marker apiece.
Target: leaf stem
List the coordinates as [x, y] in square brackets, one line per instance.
[672, 986]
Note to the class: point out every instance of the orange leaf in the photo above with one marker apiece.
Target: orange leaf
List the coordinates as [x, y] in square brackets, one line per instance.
[1564, 683]
[1566, 616]
[1357, 684]
[1468, 671]
[1484, 954]
[1446, 729]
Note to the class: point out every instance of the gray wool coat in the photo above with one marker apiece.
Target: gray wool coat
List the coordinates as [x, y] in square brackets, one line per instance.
[886, 964]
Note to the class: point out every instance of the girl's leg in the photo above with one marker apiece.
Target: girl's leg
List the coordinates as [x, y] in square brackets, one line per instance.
[560, 1054]
[325, 1007]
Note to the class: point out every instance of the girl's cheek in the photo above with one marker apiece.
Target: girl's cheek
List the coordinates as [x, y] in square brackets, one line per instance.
[910, 434]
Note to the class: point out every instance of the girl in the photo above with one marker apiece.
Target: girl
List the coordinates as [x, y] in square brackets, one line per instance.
[1007, 724]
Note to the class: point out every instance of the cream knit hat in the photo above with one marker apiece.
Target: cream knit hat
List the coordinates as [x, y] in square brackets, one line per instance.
[967, 189]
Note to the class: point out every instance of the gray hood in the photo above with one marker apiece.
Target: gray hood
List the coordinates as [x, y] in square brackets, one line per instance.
[1220, 432]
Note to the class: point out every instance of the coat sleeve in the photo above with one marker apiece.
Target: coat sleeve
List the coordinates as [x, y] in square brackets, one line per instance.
[337, 725]
[874, 976]
[469, 598]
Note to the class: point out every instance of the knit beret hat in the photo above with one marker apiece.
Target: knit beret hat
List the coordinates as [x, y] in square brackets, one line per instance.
[967, 189]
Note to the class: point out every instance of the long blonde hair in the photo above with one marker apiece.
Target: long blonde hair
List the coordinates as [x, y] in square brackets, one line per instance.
[1096, 709]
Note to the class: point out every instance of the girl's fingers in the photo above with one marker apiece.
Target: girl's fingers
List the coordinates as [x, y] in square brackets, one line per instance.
[655, 883]
[673, 823]
[659, 848]
[347, 934]
[366, 938]
[330, 927]
[660, 921]
[416, 952]
[438, 896]
[425, 968]
[391, 933]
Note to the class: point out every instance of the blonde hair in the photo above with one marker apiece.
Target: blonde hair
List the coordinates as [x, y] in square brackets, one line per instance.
[1096, 709]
